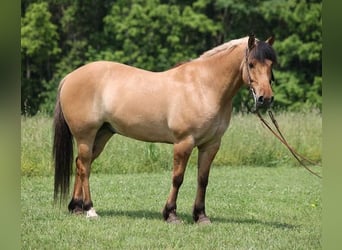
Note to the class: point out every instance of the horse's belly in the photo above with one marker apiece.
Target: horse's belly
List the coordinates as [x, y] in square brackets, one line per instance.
[147, 133]
[144, 126]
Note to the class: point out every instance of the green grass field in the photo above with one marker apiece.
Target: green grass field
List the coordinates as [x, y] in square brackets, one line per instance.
[258, 196]
[250, 207]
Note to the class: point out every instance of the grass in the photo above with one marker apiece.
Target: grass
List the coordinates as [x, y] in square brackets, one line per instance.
[270, 203]
[250, 207]
[246, 142]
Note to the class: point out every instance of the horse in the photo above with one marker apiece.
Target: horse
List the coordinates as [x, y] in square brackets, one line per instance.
[188, 106]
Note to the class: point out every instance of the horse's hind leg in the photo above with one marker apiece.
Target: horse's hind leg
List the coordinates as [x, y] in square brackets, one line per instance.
[81, 199]
[88, 150]
[102, 137]
[76, 203]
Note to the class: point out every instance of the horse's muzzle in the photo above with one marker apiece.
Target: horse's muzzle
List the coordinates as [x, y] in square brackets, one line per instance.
[264, 102]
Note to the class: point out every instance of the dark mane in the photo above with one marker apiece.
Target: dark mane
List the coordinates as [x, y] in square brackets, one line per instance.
[263, 51]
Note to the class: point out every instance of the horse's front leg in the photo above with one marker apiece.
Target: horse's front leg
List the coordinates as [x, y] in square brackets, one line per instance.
[182, 152]
[206, 156]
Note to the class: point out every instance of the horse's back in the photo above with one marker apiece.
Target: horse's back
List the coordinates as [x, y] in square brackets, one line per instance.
[132, 100]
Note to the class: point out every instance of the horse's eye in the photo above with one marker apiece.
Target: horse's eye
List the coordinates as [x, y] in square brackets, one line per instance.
[251, 65]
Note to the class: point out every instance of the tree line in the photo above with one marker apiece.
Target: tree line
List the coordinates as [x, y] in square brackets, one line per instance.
[58, 36]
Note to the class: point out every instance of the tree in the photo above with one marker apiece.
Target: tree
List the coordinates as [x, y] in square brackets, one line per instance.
[154, 36]
[157, 34]
[298, 27]
[38, 48]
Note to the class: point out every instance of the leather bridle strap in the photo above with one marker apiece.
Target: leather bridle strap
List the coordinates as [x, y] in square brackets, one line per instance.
[251, 90]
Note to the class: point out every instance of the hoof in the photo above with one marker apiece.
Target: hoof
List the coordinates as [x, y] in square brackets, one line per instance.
[170, 215]
[203, 220]
[91, 214]
[173, 219]
[77, 211]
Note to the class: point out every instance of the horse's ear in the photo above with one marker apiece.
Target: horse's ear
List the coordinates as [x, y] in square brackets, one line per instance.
[270, 40]
[251, 41]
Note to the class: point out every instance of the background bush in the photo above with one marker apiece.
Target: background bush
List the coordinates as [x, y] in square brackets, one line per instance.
[59, 36]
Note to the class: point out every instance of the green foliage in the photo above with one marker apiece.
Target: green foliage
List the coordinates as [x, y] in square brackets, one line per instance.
[38, 35]
[298, 27]
[59, 36]
[39, 47]
[154, 36]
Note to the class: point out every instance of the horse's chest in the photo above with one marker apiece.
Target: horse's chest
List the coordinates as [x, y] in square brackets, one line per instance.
[213, 128]
[220, 125]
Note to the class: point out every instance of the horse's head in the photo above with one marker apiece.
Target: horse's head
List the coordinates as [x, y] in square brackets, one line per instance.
[257, 70]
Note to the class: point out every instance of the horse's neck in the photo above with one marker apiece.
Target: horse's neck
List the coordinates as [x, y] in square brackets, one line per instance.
[224, 70]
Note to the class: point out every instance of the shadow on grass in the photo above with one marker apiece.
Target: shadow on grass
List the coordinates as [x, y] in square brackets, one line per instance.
[132, 214]
[273, 224]
[187, 219]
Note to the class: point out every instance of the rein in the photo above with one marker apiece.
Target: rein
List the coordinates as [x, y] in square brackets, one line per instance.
[301, 159]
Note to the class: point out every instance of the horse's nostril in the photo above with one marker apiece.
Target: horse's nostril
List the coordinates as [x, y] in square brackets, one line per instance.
[261, 99]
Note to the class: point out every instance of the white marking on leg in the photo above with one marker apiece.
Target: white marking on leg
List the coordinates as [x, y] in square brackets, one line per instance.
[91, 213]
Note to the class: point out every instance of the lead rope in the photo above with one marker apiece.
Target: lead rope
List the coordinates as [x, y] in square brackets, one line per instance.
[278, 135]
[301, 159]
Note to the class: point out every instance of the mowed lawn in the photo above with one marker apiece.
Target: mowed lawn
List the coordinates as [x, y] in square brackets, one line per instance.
[250, 207]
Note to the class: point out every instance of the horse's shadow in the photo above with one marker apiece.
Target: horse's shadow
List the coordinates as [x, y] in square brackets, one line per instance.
[152, 215]
[187, 219]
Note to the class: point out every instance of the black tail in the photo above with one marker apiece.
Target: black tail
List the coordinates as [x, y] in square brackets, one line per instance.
[62, 153]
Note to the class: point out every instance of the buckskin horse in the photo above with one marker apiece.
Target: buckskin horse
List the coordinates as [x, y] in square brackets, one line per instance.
[188, 106]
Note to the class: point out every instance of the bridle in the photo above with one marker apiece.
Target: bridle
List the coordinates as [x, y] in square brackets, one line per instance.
[251, 89]
[301, 159]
